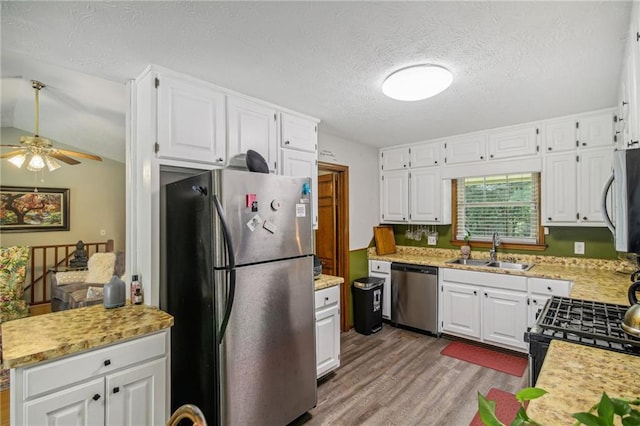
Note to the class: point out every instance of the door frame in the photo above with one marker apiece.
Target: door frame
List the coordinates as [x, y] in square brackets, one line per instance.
[342, 184]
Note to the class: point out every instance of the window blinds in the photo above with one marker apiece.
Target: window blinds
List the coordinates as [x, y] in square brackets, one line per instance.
[506, 204]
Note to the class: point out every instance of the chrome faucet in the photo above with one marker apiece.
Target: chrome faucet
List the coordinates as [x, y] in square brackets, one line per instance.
[495, 242]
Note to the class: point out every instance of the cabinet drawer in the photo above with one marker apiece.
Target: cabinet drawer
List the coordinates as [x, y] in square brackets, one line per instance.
[52, 375]
[327, 296]
[485, 279]
[550, 287]
[380, 266]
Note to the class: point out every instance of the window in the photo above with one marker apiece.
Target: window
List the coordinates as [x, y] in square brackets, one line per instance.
[506, 204]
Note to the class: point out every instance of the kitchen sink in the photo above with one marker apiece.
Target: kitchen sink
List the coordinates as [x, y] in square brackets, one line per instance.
[509, 265]
[490, 264]
[469, 262]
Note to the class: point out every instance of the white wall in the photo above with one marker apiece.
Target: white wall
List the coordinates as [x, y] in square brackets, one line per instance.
[97, 198]
[364, 204]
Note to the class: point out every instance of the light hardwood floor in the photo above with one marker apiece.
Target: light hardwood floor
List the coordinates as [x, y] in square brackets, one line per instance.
[398, 377]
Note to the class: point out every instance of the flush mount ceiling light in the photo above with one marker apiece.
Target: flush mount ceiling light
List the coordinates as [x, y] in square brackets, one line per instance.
[38, 152]
[417, 82]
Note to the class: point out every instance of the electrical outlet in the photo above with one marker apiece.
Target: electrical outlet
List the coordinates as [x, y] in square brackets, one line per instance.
[546, 230]
[103, 232]
[432, 240]
[578, 247]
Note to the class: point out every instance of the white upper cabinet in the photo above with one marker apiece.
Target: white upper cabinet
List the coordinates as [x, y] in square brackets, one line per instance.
[560, 136]
[298, 133]
[395, 158]
[628, 114]
[252, 125]
[466, 149]
[426, 196]
[588, 131]
[394, 200]
[190, 121]
[596, 131]
[426, 154]
[559, 183]
[513, 142]
[572, 184]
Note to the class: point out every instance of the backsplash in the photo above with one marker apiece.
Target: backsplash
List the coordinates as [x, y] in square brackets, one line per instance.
[598, 241]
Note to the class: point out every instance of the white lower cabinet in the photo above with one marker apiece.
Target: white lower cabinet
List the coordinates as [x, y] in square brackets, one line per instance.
[327, 309]
[121, 384]
[483, 306]
[504, 317]
[382, 269]
[494, 308]
[460, 310]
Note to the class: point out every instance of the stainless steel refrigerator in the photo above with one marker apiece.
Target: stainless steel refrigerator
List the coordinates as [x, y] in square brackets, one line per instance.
[239, 283]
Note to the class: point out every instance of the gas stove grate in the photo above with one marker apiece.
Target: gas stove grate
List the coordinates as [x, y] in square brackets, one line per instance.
[586, 321]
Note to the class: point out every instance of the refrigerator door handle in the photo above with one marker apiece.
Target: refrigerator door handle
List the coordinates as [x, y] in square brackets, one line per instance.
[605, 213]
[230, 269]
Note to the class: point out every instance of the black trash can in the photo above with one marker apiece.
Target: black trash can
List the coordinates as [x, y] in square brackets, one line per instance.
[367, 304]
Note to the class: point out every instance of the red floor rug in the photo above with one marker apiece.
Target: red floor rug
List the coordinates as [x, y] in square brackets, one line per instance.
[507, 407]
[496, 360]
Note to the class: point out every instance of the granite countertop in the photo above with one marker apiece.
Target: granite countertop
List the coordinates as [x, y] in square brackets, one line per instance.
[326, 281]
[38, 338]
[575, 377]
[593, 279]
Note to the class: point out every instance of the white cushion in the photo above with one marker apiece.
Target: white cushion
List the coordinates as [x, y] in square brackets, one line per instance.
[101, 267]
[69, 277]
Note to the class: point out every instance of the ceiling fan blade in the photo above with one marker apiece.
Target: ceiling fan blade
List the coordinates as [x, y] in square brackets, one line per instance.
[11, 153]
[63, 158]
[79, 154]
[12, 146]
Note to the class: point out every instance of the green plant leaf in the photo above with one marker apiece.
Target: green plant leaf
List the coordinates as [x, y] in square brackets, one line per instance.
[527, 394]
[605, 409]
[518, 422]
[587, 419]
[487, 410]
[621, 407]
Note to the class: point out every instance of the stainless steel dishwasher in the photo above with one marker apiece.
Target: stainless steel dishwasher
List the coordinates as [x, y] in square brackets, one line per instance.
[414, 296]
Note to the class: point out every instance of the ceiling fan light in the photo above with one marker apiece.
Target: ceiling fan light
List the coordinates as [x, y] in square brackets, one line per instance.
[417, 82]
[36, 163]
[51, 163]
[18, 160]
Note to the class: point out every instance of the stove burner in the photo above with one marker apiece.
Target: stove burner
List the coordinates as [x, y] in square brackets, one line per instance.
[592, 323]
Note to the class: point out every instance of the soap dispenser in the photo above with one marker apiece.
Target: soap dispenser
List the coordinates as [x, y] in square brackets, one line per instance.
[114, 293]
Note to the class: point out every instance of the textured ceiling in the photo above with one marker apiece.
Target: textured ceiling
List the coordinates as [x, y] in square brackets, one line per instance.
[512, 62]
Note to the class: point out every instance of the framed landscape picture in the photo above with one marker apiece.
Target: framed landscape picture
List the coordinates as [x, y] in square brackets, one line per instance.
[28, 210]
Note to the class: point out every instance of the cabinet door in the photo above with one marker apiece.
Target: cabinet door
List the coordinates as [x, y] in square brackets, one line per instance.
[559, 182]
[425, 196]
[594, 169]
[299, 133]
[504, 317]
[80, 405]
[461, 310]
[394, 199]
[560, 136]
[516, 142]
[596, 131]
[394, 158]
[191, 123]
[136, 396]
[426, 155]
[252, 126]
[466, 149]
[327, 339]
[302, 164]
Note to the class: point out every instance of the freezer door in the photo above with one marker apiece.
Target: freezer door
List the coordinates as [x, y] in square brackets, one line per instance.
[268, 373]
[268, 216]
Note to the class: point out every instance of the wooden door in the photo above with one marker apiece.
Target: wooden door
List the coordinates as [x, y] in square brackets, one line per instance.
[326, 237]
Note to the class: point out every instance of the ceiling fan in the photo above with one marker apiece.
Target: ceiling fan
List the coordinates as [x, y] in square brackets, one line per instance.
[39, 151]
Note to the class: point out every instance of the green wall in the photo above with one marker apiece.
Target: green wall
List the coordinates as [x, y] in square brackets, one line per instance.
[598, 241]
[358, 267]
